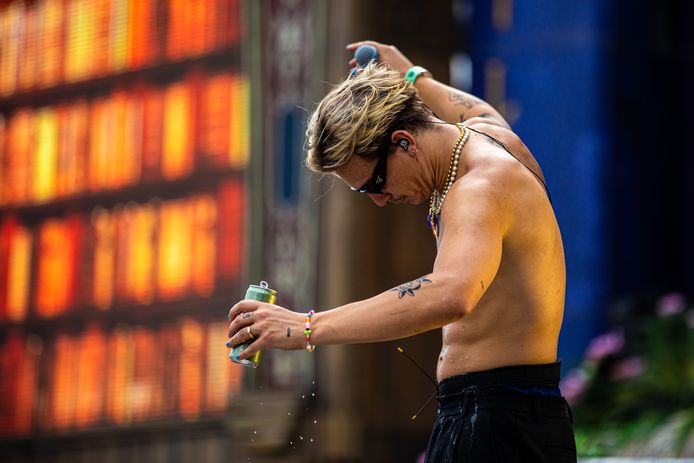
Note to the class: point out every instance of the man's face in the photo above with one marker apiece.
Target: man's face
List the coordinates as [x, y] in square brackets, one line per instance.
[378, 177]
[398, 187]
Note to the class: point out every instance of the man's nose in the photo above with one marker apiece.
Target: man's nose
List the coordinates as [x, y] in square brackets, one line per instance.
[379, 200]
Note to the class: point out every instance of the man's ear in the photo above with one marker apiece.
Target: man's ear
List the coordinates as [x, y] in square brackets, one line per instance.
[404, 140]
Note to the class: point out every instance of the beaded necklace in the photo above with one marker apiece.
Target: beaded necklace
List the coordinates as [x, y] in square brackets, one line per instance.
[436, 200]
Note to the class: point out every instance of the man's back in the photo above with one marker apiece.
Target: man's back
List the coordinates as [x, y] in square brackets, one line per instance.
[517, 320]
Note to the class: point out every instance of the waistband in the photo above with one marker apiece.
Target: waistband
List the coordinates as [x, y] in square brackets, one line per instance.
[543, 375]
[494, 389]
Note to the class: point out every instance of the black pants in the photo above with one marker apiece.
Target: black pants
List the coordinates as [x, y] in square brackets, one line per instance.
[506, 415]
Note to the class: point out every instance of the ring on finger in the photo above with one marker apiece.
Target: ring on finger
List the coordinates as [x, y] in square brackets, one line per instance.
[250, 333]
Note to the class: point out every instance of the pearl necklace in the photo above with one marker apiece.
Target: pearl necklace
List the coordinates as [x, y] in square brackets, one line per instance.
[436, 200]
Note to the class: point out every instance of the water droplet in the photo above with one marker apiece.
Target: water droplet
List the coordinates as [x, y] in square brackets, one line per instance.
[311, 439]
[255, 432]
[289, 413]
[314, 382]
[315, 421]
[301, 437]
[303, 396]
[291, 442]
[313, 394]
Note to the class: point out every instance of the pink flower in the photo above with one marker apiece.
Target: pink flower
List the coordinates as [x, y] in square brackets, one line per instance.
[629, 368]
[605, 345]
[574, 385]
[671, 304]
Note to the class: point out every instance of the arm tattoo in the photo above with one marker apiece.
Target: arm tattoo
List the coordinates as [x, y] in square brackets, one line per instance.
[411, 287]
[463, 99]
[247, 315]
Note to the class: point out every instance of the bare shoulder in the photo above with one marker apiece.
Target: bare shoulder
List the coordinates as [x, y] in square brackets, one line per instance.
[512, 142]
[478, 197]
[494, 193]
[494, 128]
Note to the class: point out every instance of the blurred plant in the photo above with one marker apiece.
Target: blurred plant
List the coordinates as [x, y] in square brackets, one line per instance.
[635, 376]
[671, 304]
[604, 346]
[629, 368]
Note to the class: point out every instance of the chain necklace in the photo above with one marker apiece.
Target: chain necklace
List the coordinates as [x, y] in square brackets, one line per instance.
[437, 198]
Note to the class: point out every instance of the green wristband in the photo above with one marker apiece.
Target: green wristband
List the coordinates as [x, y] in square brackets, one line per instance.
[414, 72]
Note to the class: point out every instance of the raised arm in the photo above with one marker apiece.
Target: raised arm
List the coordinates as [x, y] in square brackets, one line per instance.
[468, 259]
[449, 104]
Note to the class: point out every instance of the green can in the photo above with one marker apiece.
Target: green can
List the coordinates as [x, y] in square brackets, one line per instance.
[257, 293]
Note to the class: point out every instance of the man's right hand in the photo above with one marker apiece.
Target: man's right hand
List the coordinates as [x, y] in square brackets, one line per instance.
[449, 104]
[387, 54]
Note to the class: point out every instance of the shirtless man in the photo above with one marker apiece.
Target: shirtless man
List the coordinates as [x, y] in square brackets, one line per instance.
[497, 286]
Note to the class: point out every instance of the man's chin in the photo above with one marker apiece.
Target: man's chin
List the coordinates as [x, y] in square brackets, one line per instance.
[406, 200]
[411, 201]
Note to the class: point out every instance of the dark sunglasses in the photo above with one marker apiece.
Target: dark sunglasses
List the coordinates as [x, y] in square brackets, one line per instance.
[378, 178]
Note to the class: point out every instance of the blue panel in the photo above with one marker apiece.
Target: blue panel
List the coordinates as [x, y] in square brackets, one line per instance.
[554, 57]
[288, 158]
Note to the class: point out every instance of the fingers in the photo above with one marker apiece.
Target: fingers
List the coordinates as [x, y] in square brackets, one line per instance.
[242, 335]
[246, 305]
[387, 54]
[240, 323]
[354, 45]
[241, 315]
[252, 348]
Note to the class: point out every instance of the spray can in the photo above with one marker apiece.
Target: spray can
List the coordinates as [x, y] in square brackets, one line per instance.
[257, 293]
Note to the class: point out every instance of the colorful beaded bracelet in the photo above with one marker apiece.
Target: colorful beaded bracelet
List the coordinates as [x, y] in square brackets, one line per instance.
[307, 331]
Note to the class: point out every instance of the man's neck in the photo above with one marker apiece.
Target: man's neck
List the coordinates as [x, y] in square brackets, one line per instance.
[443, 142]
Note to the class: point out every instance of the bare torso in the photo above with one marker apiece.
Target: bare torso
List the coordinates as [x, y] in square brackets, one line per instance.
[517, 320]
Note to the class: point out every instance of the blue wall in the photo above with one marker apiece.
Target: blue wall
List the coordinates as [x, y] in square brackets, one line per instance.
[555, 57]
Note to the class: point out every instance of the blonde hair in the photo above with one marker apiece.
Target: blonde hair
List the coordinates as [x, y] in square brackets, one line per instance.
[358, 116]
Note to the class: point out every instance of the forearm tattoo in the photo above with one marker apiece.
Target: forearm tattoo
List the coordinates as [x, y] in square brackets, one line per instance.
[411, 287]
[459, 98]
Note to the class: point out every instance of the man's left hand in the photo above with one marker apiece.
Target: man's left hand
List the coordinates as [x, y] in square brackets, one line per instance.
[272, 327]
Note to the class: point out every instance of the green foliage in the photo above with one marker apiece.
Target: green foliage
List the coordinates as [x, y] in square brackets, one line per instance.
[630, 392]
